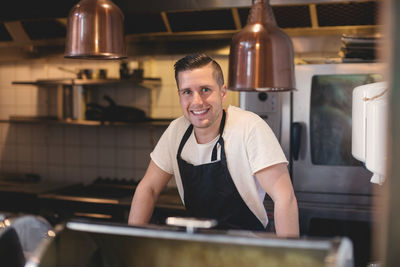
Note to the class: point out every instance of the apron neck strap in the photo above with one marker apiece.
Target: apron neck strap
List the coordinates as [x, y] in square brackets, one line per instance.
[189, 132]
[220, 139]
[222, 125]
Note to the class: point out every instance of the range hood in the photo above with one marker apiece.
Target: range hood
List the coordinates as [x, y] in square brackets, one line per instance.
[157, 25]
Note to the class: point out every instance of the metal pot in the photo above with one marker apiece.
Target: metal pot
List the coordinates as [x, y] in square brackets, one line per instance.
[87, 73]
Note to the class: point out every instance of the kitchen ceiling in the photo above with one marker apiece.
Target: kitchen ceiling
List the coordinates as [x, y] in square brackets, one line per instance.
[42, 23]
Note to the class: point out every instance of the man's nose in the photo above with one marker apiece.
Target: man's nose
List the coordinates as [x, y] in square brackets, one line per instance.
[197, 99]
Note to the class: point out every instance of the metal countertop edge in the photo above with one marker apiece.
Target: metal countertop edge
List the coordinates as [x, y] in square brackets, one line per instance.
[237, 240]
[80, 199]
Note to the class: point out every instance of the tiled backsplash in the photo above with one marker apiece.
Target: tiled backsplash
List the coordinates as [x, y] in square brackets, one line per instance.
[76, 153]
[82, 153]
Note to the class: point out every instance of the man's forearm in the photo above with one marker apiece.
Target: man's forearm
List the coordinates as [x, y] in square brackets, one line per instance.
[286, 218]
[142, 206]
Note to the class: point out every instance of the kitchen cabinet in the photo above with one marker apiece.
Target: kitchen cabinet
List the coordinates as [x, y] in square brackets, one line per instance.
[73, 95]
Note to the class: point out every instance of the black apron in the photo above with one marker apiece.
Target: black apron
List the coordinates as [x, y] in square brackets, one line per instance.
[209, 191]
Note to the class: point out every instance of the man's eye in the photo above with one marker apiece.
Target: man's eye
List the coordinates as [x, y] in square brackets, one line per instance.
[206, 89]
[186, 92]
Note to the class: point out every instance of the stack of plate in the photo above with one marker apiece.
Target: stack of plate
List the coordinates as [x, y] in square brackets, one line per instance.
[359, 48]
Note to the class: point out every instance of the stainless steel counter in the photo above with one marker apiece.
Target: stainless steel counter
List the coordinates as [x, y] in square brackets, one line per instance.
[94, 244]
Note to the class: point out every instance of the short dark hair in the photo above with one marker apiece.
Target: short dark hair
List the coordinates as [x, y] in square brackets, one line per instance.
[194, 61]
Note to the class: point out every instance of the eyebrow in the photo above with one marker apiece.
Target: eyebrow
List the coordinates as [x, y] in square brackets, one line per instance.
[201, 86]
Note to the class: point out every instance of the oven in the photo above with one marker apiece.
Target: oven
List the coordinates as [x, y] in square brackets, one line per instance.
[322, 162]
[314, 126]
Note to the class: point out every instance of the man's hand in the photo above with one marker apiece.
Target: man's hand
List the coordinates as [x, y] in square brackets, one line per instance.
[275, 181]
[146, 194]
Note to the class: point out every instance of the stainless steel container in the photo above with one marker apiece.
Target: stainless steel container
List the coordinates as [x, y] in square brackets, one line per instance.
[94, 244]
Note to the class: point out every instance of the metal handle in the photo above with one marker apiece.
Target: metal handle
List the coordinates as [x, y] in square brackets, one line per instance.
[191, 224]
[296, 139]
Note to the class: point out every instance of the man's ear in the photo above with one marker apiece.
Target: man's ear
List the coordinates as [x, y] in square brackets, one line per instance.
[223, 91]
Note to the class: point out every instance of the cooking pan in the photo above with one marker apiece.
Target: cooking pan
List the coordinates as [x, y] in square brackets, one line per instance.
[113, 112]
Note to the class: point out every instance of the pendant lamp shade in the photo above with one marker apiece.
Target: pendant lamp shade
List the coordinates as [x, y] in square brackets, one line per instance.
[95, 30]
[261, 55]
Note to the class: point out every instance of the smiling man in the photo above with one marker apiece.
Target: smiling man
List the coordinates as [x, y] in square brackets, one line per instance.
[224, 162]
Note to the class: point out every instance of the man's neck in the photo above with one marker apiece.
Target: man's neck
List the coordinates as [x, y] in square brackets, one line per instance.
[205, 135]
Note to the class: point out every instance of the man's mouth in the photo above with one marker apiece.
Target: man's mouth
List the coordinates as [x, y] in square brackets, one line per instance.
[199, 112]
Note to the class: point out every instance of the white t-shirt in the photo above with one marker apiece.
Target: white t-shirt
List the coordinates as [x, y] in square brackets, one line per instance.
[250, 146]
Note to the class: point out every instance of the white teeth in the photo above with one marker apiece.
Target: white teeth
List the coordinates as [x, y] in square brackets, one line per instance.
[199, 112]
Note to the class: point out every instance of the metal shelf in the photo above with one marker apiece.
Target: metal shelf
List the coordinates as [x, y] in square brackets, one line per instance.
[63, 84]
[35, 120]
[146, 82]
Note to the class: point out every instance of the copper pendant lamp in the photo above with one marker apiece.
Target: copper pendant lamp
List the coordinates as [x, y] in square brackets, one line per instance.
[261, 55]
[95, 31]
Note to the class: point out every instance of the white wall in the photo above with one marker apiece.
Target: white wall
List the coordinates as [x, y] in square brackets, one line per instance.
[82, 153]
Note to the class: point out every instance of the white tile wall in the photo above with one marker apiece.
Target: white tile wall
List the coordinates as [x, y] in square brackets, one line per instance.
[126, 138]
[39, 154]
[24, 167]
[1, 153]
[24, 153]
[82, 153]
[9, 167]
[72, 174]
[124, 158]
[106, 136]
[89, 136]
[125, 173]
[107, 157]
[108, 172]
[72, 156]
[9, 154]
[39, 134]
[89, 156]
[7, 96]
[56, 155]
[72, 136]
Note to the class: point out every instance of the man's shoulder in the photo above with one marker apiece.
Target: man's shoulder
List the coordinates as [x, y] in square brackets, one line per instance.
[178, 124]
[172, 134]
[180, 121]
[242, 117]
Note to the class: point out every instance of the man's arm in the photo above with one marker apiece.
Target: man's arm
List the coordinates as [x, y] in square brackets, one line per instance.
[146, 194]
[275, 180]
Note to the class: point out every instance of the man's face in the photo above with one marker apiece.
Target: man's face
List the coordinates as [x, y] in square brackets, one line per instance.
[201, 97]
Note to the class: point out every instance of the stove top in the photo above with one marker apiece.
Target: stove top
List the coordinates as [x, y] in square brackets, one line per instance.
[32, 187]
[102, 190]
